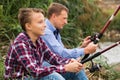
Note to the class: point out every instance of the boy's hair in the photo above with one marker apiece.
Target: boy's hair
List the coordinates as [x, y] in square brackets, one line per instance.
[24, 15]
[56, 8]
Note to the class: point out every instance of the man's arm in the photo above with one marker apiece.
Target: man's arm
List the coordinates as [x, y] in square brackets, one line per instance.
[70, 65]
[57, 47]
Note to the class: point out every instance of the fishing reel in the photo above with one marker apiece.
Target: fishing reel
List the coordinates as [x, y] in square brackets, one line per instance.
[96, 37]
[94, 67]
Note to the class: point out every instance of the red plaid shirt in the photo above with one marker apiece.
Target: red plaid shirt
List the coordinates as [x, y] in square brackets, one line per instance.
[24, 58]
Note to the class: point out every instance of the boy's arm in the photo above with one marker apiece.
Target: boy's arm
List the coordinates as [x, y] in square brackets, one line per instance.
[30, 63]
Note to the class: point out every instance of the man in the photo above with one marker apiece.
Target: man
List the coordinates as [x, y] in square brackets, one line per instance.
[26, 54]
[57, 18]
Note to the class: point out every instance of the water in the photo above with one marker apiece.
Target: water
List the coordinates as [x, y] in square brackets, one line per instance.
[112, 55]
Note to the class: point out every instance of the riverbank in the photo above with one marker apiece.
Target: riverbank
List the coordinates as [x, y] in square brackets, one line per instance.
[112, 55]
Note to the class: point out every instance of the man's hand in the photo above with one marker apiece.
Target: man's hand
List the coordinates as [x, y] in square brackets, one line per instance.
[91, 48]
[86, 41]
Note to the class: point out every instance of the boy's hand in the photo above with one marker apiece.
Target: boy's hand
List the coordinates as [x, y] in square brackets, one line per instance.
[73, 66]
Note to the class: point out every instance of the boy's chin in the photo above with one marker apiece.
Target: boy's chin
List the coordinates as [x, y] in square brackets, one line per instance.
[42, 34]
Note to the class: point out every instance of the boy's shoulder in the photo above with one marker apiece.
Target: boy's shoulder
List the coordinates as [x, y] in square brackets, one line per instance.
[21, 38]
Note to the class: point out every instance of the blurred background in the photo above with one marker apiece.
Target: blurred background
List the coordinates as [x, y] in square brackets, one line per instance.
[85, 18]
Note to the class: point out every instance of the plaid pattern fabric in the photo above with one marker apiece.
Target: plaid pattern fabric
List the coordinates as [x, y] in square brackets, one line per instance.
[24, 58]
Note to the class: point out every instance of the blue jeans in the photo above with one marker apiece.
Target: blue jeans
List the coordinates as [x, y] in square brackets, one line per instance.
[75, 76]
[71, 76]
[64, 76]
[52, 76]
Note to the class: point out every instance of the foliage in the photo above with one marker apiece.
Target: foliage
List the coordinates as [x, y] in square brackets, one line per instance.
[1, 69]
[115, 25]
[84, 19]
[107, 71]
[8, 15]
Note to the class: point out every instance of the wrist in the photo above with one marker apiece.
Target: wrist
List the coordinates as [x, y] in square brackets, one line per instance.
[82, 46]
[86, 50]
[66, 68]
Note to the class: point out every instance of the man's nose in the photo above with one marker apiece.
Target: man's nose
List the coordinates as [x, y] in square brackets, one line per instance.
[66, 21]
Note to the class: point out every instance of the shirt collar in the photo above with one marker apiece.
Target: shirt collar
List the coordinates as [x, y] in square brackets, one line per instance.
[30, 41]
[50, 25]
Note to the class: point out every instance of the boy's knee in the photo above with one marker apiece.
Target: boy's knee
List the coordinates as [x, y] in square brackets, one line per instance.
[53, 76]
[57, 76]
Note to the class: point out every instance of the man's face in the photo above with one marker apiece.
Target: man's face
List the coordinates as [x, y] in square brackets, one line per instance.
[37, 24]
[61, 20]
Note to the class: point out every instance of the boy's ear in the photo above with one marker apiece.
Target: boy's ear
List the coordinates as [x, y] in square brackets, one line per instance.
[28, 26]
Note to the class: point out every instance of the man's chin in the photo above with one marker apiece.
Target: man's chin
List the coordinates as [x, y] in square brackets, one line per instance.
[60, 28]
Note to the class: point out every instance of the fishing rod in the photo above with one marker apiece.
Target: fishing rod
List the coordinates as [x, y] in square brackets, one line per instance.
[97, 66]
[99, 53]
[97, 36]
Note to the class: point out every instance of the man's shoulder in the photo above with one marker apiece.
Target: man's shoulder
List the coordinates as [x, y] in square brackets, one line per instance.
[48, 31]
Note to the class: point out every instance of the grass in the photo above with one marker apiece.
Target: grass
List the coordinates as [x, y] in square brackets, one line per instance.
[85, 14]
[107, 72]
[1, 69]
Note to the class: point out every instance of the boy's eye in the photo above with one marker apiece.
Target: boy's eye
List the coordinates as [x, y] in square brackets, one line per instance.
[40, 21]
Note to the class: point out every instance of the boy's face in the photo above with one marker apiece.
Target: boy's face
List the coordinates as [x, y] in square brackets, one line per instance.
[37, 24]
[61, 20]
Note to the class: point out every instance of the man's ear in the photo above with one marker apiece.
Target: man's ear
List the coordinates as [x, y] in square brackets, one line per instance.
[53, 15]
[28, 26]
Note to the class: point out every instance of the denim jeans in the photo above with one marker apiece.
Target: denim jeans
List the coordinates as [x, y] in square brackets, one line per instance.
[52, 76]
[75, 76]
[71, 76]
[57, 76]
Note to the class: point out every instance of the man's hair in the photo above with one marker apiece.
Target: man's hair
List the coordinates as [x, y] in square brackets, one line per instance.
[56, 8]
[24, 15]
